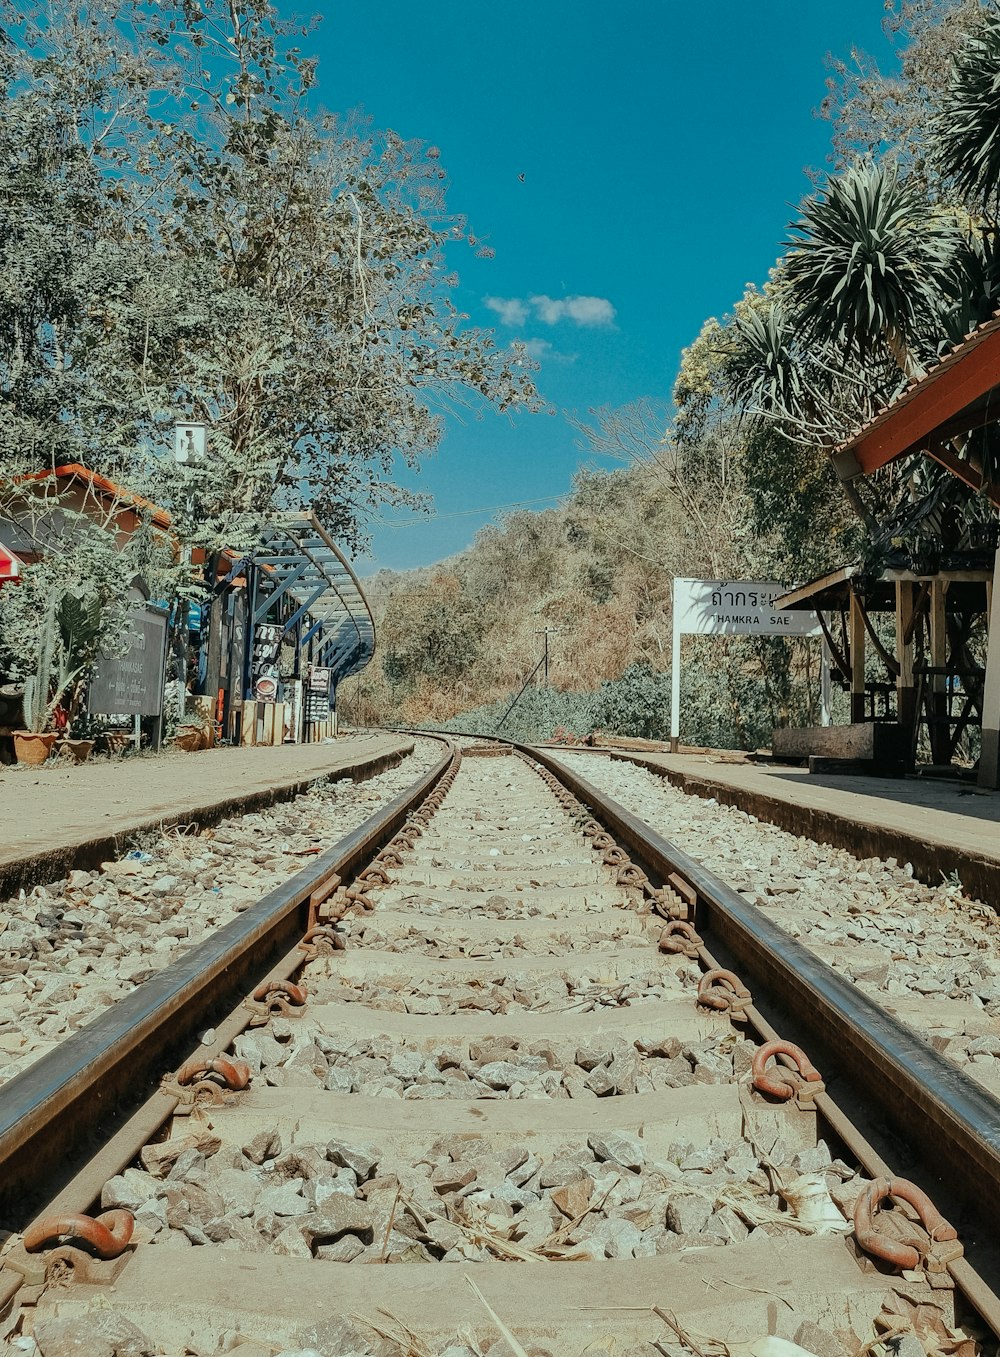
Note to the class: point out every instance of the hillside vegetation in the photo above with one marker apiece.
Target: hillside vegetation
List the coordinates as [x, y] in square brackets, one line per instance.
[890, 261]
[458, 640]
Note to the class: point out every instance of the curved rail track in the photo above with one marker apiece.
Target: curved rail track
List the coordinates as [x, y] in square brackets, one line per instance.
[508, 1036]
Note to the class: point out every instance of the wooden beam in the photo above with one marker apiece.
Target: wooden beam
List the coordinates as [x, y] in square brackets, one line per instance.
[989, 760]
[905, 693]
[857, 652]
[939, 681]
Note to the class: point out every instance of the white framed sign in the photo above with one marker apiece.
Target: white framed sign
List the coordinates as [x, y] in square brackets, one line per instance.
[728, 608]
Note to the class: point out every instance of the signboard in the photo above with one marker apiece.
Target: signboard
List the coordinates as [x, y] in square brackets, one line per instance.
[728, 608]
[190, 442]
[264, 673]
[131, 684]
[10, 566]
[318, 694]
[737, 608]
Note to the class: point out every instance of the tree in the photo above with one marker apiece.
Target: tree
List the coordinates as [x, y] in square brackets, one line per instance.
[317, 337]
[966, 130]
[865, 264]
[874, 114]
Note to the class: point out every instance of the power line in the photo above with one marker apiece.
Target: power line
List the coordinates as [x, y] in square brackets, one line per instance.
[465, 513]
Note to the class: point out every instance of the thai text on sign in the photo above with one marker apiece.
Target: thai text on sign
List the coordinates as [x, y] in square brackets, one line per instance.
[737, 608]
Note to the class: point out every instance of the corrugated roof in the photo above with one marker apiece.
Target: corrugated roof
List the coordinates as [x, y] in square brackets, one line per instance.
[952, 357]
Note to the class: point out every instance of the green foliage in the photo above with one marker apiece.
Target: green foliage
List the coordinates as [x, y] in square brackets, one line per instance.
[735, 714]
[866, 261]
[966, 130]
[181, 233]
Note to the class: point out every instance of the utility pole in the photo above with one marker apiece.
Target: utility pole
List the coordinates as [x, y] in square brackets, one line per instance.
[547, 632]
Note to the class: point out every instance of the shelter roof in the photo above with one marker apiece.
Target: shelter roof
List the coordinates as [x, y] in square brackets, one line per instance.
[966, 589]
[298, 553]
[956, 396]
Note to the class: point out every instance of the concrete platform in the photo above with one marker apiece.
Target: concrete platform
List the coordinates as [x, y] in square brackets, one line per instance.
[58, 817]
[940, 827]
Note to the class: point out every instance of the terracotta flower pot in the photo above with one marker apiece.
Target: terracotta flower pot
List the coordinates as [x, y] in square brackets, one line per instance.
[77, 750]
[189, 738]
[33, 748]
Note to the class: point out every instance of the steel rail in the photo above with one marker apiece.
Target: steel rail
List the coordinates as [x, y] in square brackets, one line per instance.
[929, 1100]
[76, 1092]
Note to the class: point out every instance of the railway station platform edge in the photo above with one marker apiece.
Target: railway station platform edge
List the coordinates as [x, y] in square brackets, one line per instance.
[940, 827]
[56, 818]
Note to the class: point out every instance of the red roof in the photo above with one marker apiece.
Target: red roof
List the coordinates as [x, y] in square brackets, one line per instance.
[105, 487]
[954, 397]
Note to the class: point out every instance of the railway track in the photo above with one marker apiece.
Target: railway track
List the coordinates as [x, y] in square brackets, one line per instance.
[516, 1057]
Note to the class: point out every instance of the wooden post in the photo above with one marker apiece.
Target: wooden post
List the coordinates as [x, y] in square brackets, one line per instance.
[856, 628]
[248, 732]
[905, 693]
[939, 682]
[825, 686]
[989, 762]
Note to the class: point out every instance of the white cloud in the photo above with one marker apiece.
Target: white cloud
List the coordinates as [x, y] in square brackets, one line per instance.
[511, 310]
[588, 311]
[542, 348]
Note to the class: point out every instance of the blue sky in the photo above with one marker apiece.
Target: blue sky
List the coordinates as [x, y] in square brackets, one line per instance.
[662, 146]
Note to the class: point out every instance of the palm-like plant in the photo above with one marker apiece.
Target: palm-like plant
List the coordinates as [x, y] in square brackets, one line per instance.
[966, 129]
[764, 371]
[866, 261]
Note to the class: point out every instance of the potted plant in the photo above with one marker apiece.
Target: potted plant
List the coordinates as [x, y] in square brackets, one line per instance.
[79, 622]
[194, 732]
[53, 694]
[33, 745]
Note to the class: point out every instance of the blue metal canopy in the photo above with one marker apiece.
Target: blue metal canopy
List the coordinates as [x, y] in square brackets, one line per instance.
[298, 559]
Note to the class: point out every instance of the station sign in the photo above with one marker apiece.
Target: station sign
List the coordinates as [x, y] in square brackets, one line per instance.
[737, 608]
[128, 681]
[729, 608]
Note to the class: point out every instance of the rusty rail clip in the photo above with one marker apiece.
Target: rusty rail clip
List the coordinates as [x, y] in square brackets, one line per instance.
[205, 1080]
[631, 876]
[275, 997]
[680, 938]
[106, 1235]
[726, 993]
[321, 941]
[933, 1252]
[375, 876]
[781, 1082]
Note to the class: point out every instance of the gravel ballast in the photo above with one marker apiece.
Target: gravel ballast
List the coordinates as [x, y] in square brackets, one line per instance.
[70, 949]
[901, 941]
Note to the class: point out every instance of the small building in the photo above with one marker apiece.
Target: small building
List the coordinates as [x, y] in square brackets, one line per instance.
[951, 414]
[281, 628]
